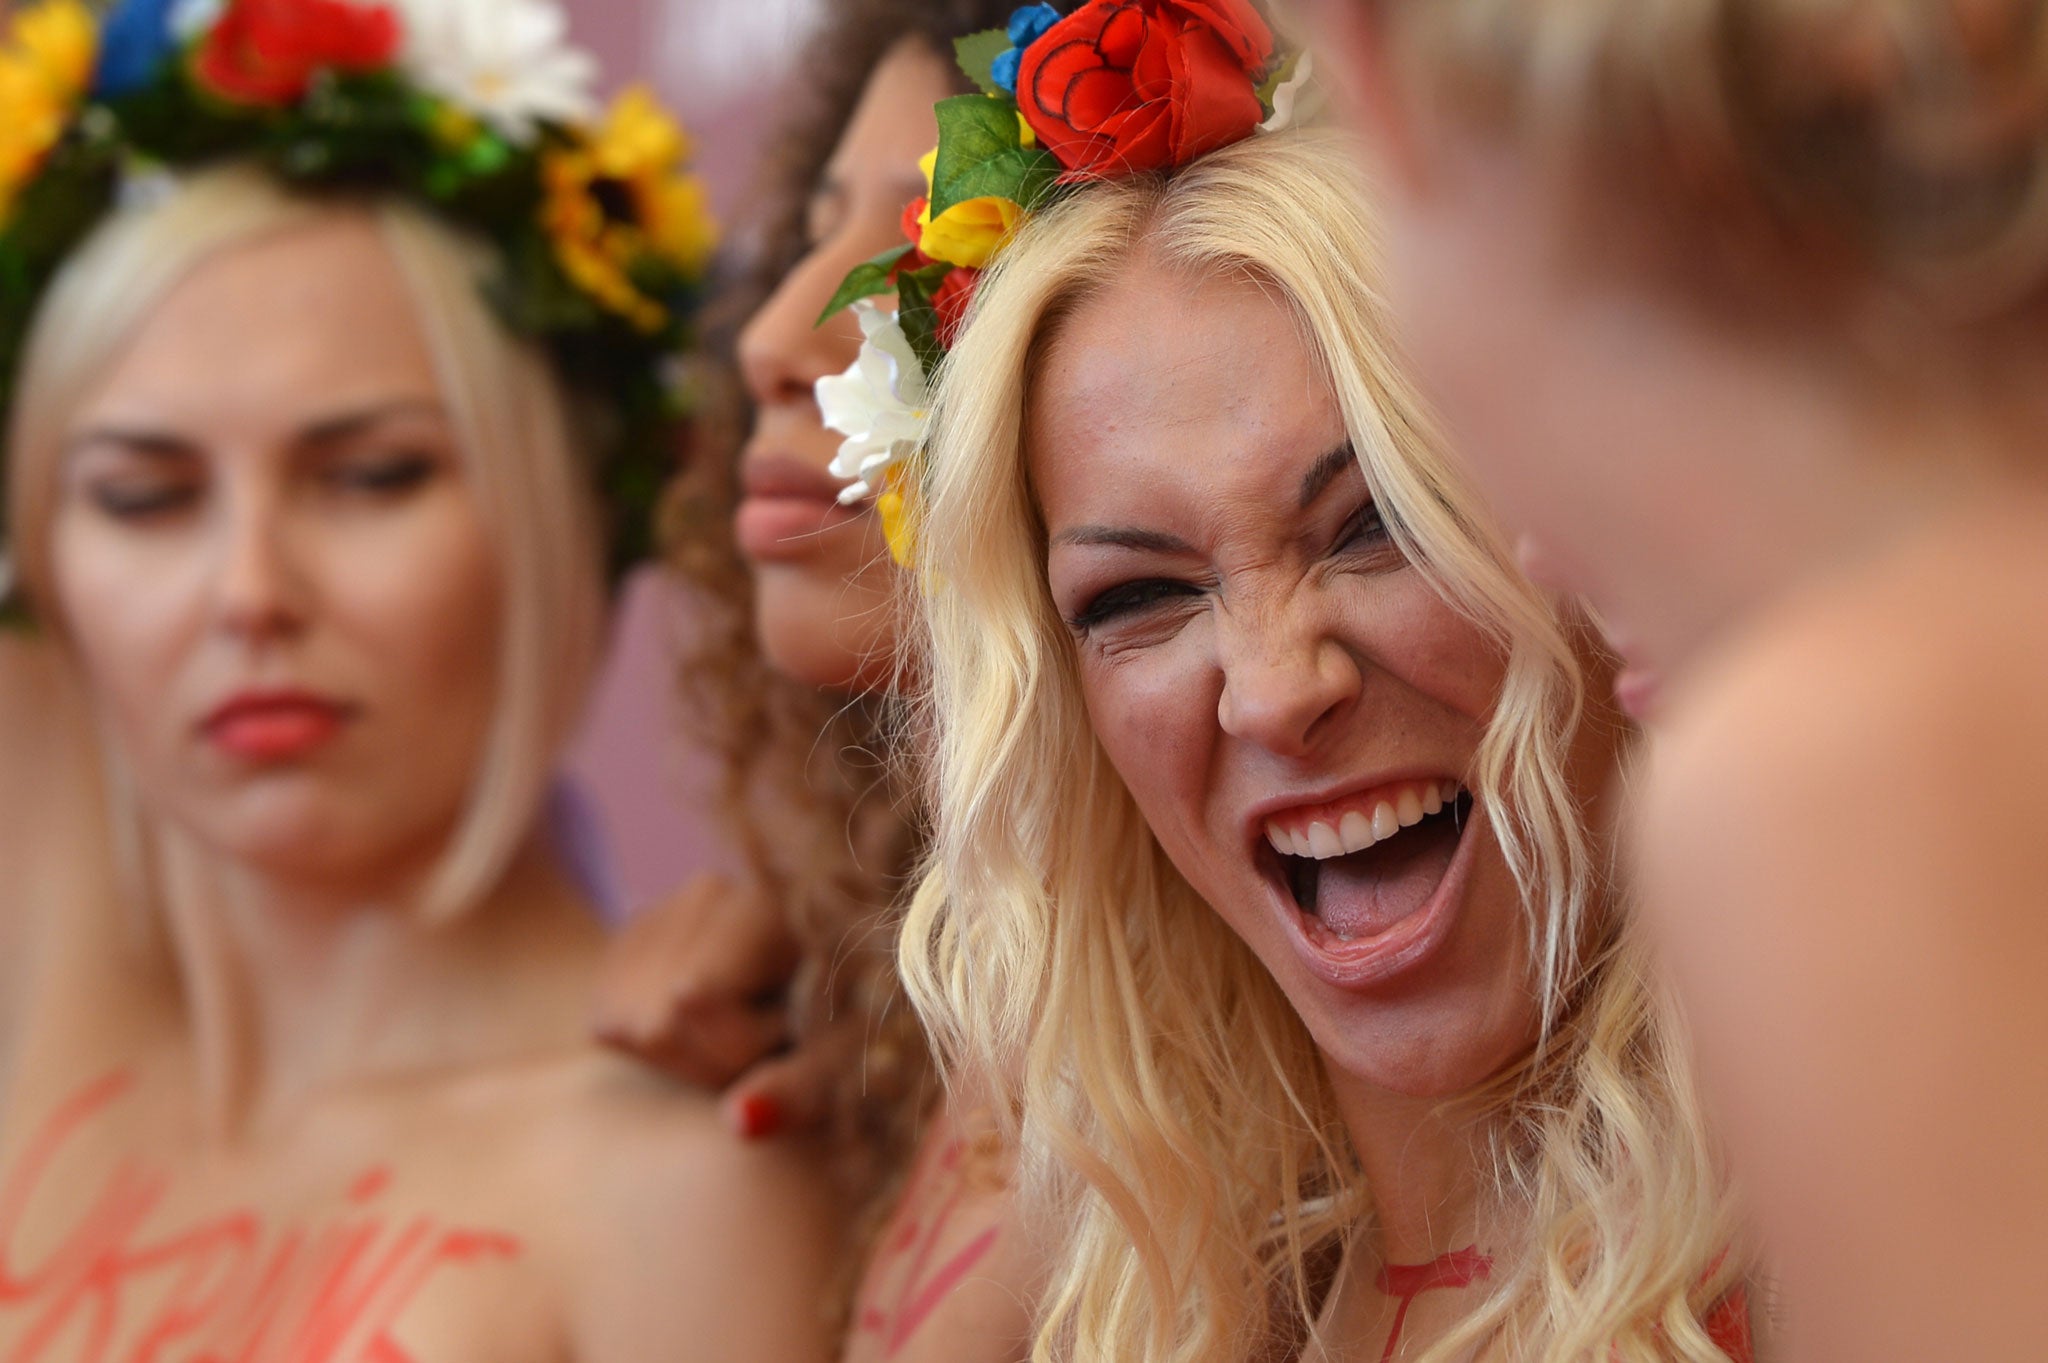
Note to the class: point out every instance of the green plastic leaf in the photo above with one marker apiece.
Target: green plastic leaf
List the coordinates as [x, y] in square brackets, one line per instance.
[865, 281]
[917, 315]
[982, 154]
[977, 53]
[1025, 176]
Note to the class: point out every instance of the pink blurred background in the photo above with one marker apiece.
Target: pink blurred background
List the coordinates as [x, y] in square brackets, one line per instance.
[721, 64]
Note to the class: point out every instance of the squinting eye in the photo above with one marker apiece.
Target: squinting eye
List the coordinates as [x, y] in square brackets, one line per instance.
[1366, 530]
[1129, 598]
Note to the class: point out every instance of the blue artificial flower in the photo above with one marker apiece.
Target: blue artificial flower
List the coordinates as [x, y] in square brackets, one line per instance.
[1027, 26]
[1030, 23]
[1004, 72]
[136, 40]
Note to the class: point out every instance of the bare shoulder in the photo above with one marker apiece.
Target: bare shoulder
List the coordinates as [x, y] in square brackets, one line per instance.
[1840, 849]
[677, 1233]
[1912, 695]
[956, 1276]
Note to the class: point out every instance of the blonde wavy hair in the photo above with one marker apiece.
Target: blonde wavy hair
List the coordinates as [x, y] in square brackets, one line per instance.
[1176, 1129]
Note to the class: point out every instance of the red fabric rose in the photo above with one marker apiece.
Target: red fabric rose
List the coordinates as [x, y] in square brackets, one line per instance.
[951, 302]
[268, 51]
[1121, 86]
[913, 230]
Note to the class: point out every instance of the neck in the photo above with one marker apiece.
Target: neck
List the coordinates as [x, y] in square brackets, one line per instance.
[294, 990]
[1423, 1160]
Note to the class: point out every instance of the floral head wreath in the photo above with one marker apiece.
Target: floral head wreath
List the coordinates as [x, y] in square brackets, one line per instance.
[1117, 88]
[475, 108]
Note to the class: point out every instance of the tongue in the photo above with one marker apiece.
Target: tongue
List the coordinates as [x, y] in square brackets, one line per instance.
[1366, 893]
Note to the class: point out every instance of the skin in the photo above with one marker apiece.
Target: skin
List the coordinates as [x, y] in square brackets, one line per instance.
[951, 1276]
[57, 846]
[302, 1052]
[1274, 650]
[826, 604]
[1823, 552]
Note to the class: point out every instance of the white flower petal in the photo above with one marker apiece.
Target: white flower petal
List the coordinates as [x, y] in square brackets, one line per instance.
[1298, 99]
[878, 404]
[505, 62]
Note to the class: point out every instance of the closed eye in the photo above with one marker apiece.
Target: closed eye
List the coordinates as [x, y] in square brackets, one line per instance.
[391, 477]
[1129, 599]
[143, 499]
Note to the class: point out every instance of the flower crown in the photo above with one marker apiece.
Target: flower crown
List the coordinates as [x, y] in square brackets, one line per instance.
[1117, 88]
[476, 108]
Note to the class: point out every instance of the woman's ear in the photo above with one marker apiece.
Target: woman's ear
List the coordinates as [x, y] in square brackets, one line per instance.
[1356, 58]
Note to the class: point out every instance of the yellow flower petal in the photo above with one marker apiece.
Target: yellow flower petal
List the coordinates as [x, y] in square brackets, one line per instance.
[892, 504]
[43, 70]
[638, 155]
[59, 40]
[969, 233]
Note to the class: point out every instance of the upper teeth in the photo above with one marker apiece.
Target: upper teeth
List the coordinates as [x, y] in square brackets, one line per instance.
[1358, 830]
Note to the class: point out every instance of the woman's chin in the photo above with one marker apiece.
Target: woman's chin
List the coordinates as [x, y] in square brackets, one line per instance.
[841, 639]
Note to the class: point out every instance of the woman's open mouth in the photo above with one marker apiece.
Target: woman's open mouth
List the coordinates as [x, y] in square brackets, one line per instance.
[1373, 877]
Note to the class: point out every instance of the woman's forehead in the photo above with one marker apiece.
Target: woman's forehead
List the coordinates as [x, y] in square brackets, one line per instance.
[289, 318]
[1162, 377]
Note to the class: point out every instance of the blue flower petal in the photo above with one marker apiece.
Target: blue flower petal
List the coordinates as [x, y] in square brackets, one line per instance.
[1004, 72]
[135, 42]
[1030, 23]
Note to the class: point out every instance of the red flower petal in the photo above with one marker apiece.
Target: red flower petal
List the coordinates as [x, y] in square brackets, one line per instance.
[1238, 24]
[1134, 85]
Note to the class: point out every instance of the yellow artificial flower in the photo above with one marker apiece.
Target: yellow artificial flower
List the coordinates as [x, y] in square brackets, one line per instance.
[60, 42]
[45, 67]
[892, 504]
[621, 198]
[967, 234]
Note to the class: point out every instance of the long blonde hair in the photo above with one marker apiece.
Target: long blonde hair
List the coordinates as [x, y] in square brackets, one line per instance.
[508, 407]
[1174, 1120]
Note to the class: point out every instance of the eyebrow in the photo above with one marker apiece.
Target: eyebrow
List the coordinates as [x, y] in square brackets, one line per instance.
[1124, 537]
[326, 431]
[331, 430]
[1326, 471]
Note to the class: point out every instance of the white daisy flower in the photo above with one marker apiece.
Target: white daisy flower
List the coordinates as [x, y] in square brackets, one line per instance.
[1298, 99]
[507, 62]
[191, 18]
[880, 405]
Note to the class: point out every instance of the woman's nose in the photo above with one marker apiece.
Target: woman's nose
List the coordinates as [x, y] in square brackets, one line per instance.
[783, 351]
[259, 587]
[1286, 679]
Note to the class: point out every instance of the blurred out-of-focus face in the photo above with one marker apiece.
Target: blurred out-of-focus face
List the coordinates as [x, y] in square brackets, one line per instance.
[268, 557]
[1294, 709]
[825, 586]
[1599, 412]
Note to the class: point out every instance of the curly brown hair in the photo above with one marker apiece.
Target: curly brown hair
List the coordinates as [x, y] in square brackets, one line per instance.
[847, 830]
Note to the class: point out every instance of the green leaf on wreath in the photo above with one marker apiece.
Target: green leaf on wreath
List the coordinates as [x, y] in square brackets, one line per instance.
[1024, 176]
[982, 154]
[865, 281]
[977, 53]
[918, 317]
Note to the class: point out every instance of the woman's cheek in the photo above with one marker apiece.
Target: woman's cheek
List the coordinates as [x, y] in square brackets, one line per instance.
[1421, 640]
[1156, 719]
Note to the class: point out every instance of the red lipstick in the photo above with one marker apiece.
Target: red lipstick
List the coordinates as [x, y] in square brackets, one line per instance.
[266, 727]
